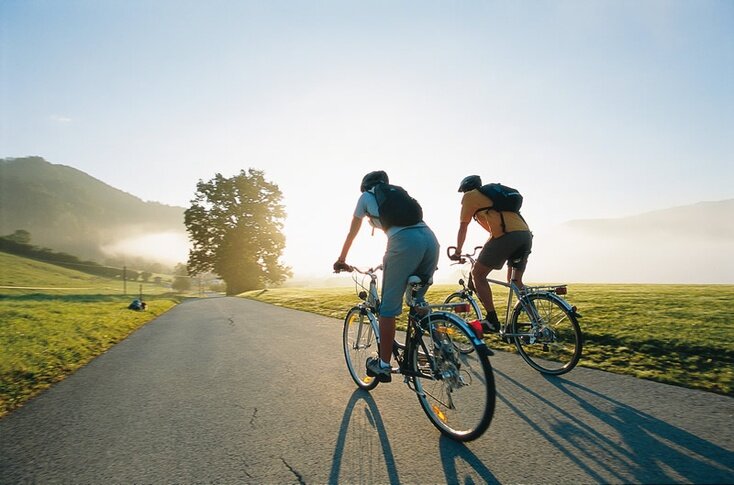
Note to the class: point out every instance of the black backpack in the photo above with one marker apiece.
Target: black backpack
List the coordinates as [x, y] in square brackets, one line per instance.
[503, 198]
[396, 206]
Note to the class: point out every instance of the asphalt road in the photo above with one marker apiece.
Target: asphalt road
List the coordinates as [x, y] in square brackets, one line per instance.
[227, 390]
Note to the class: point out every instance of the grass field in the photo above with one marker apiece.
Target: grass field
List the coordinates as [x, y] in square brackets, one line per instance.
[677, 334]
[59, 321]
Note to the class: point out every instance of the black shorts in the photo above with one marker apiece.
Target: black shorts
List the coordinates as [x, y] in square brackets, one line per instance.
[512, 247]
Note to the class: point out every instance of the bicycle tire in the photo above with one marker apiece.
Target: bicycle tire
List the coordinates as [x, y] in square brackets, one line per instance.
[361, 340]
[456, 390]
[473, 314]
[557, 347]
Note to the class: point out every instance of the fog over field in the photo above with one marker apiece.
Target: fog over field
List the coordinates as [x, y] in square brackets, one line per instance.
[692, 244]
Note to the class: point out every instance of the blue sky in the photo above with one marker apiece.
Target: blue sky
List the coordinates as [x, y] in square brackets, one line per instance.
[593, 109]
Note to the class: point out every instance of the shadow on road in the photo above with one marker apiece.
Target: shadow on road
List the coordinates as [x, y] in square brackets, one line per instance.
[355, 444]
[629, 445]
[362, 433]
[452, 453]
[665, 447]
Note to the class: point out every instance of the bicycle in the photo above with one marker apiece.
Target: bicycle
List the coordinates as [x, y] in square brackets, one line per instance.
[543, 326]
[455, 390]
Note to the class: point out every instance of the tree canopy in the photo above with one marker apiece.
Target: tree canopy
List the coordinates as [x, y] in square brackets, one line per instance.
[235, 225]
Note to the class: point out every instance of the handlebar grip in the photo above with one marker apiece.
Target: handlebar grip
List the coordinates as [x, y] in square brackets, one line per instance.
[339, 267]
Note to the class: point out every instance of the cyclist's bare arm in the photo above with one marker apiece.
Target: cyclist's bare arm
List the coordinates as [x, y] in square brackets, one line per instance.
[460, 238]
[353, 231]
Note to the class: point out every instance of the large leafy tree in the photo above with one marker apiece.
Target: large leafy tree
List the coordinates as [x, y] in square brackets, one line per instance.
[235, 225]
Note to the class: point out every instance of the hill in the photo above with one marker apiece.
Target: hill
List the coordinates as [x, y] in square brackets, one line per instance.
[710, 221]
[68, 210]
[19, 275]
[687, 244]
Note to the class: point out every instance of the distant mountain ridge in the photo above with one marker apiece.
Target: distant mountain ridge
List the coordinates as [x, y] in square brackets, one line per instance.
[68, 210]
[687, 244]
[703, 220]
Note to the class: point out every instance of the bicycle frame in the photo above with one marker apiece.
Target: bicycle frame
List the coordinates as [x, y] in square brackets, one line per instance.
[514, 290]
[527, 306]
[418, 324]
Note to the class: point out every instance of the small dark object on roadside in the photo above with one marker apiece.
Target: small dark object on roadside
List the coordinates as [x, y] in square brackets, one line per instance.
[137, 305]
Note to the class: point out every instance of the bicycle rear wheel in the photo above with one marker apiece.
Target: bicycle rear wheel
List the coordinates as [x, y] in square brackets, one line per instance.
[464, 345]
[455, 389]
[360, 340]
[553, 348]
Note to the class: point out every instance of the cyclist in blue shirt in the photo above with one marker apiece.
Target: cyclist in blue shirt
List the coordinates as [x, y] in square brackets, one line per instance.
[411, 250]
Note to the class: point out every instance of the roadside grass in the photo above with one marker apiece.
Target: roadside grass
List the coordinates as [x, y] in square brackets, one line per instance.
[44, 337]
[676, 334]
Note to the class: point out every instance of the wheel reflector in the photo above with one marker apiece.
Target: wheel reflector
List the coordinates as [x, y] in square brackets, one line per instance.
[439, 414]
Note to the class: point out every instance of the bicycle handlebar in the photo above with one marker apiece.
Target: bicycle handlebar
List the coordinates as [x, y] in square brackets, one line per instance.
[462, 257]
[349, 269]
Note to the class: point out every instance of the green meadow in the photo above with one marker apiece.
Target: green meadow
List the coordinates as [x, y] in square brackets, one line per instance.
[60, 319]
[676, 334]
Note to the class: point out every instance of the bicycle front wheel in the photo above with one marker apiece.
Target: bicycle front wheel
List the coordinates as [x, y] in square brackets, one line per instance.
[554, 345]
[455, 389]
[474, 313]
[360, 339]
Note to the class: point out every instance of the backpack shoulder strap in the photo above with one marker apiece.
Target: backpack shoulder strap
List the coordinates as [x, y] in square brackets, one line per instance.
[482, 209]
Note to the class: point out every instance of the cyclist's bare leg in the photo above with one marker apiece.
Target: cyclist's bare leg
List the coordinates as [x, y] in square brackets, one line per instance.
[484, 292]
[387, 337]
[516, 277]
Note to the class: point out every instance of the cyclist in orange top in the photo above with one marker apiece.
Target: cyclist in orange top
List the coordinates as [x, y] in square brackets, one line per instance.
[510, 240]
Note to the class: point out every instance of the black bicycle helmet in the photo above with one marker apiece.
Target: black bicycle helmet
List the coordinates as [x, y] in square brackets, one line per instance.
[372, 179]
[470, 183]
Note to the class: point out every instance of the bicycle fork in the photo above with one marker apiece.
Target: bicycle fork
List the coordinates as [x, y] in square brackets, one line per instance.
[359, 342]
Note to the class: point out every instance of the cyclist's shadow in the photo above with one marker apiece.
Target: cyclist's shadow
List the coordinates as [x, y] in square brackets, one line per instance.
[610, 440]
[682, 452]
[362, 433]
[453, 453]
[356, 444]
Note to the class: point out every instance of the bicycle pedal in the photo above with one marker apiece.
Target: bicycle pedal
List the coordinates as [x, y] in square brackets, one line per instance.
[380, 377]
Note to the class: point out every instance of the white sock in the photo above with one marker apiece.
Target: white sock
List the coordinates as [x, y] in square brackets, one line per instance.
[384, 364]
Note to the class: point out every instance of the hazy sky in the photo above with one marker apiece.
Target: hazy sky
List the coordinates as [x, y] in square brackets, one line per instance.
[592, 108]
